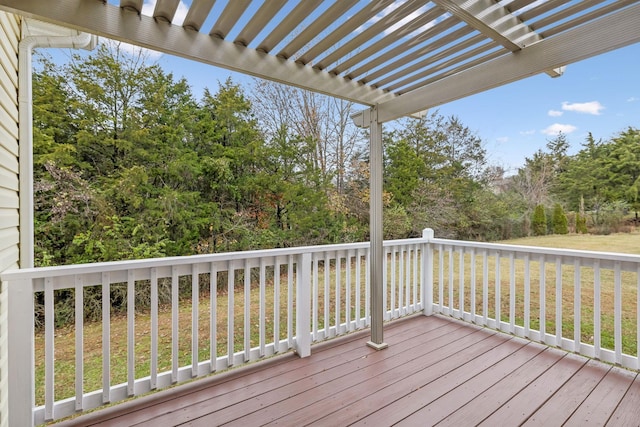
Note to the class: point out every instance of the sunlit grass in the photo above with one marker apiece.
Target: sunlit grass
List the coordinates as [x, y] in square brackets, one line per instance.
[622, 243]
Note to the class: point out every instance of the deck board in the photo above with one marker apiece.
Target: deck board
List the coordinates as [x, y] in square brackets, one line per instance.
[436, 371]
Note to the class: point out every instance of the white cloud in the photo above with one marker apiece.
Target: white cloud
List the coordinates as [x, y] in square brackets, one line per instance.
[556, 128]
[633, 99]
[527, 132]
[178, 18]
[593, 107]
[502, 139]
[134, 50]
[555, 113]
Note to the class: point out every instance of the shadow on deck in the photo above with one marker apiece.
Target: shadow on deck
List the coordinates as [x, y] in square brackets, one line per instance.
[435, 371]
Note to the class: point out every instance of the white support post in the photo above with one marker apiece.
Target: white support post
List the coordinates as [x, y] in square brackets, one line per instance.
[303, 305]
[427, 272]
[20, 345]
[376, 233]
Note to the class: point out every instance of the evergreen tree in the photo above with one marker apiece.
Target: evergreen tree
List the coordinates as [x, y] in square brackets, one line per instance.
[539, 221]
[560, 223]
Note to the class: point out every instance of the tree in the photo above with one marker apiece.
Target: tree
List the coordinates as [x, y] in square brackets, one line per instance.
[539, 221]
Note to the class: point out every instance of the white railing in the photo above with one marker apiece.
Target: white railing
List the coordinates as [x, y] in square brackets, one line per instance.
[515, 289]
[249, 305]
[242, 307]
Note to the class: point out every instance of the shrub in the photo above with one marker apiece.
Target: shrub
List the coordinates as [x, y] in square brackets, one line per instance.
[581, 224]
[539, 221]
[560, 224]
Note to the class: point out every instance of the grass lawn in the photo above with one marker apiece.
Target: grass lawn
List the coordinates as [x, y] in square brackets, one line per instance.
[622, 243]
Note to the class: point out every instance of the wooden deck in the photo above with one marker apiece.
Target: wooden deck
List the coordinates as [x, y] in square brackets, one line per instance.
[435, 372]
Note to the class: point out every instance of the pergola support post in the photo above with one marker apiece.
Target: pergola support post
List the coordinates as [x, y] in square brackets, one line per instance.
[376, 280]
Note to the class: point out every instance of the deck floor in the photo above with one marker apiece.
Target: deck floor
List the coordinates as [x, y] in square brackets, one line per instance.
[435, 372]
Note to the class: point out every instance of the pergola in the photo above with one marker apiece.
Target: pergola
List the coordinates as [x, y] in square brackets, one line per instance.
[396, 57]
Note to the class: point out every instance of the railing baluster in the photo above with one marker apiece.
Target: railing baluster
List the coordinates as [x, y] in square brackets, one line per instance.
[49, 348]
[175, 332]
[440, 279]
[527, 296]
[393, 281]
[638, 317]
[154, 329]
[247, 310]
[543, 300]
[460, 283]
[106, 338]
[407, 280]
[315, 297]
[347, 304]
[358, 289]
[231, 279]
[596, 310]
[450, 282]
[498, 293]
[400, 283]
[617, 312]
[213, 317]
[512, 293]
[263, 307]
[338, 294]
[485, 287]
[416, 278]
[327, 277]
[276, 304]
[195, 317]
[386, 284]
[79, 342]
[558, 302]
[367, 287]
[472, 260]
[131, 332]
[577, 306]
[290, 302]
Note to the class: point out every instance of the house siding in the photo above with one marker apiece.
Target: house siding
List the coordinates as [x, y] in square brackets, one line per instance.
[9, 179]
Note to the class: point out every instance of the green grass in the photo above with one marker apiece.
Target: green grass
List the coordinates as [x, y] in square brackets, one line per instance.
[623, 243]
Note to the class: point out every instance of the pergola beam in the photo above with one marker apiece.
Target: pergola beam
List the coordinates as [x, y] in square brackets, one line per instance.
[610, 32]
[116, 23]
[495, 21]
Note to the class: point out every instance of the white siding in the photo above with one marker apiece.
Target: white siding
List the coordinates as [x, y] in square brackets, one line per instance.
[9, 201]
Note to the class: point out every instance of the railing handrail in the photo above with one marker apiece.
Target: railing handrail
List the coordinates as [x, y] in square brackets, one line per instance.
[110, 266]
[540, 250]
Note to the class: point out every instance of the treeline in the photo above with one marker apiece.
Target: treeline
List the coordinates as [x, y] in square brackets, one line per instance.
[129, 164]
[596, 190]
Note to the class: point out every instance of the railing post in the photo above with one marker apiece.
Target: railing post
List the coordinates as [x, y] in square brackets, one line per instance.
[303, 305]
[427, 268]
[20, 347]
